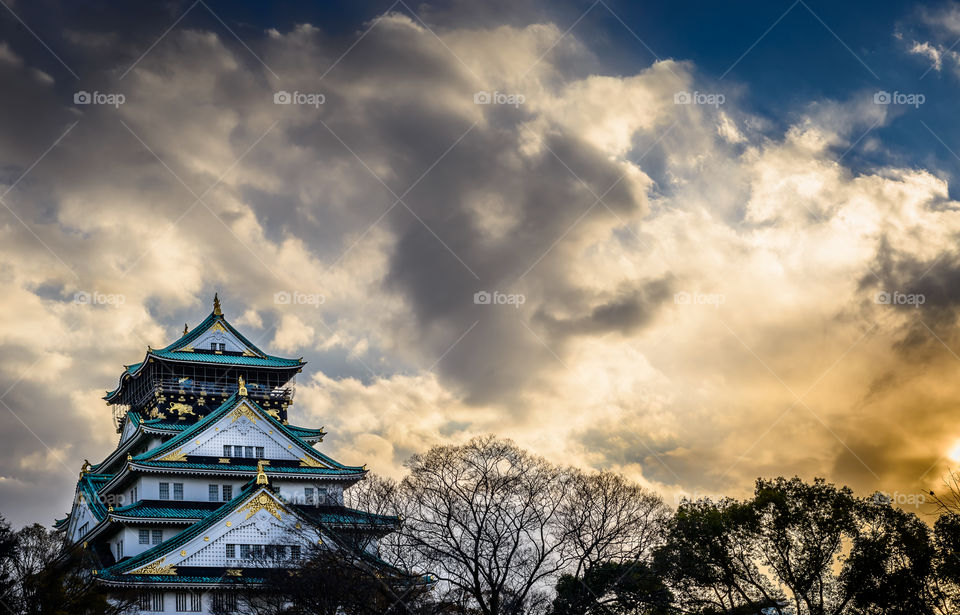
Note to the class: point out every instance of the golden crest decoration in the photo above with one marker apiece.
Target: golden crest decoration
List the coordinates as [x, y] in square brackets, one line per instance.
[157, 567]
[262, 502]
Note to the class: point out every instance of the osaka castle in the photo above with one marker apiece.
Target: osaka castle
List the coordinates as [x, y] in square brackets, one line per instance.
[209, 483]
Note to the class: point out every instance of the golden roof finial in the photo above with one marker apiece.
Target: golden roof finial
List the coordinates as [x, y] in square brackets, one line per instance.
[261, 475]
[86, 467]
[216, 305]
[185, 328]
[243, 387]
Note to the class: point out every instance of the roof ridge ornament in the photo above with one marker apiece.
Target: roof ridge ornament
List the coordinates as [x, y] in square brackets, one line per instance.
[242, 390]
[261, 475]
[216, 305]
[185, 328]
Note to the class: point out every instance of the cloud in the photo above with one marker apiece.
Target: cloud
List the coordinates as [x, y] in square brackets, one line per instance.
[698, 286]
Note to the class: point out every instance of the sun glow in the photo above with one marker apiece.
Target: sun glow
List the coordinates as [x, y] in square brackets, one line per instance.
[954, 452]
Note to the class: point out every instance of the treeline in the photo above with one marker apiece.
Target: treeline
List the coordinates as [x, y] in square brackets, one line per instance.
[504, 532]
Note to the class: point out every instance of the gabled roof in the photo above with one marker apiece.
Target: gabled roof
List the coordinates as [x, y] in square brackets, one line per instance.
[248, 494]
[229, 405]
[90, 484]
[182, 350]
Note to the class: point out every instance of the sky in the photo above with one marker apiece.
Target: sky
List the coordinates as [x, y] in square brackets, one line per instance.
[697, 244]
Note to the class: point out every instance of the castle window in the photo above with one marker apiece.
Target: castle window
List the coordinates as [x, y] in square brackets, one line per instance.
[322, 496]
[227, 493]
[308, 495]
[83, 528]
[231, 551]
[188, 602]
[164, 491]
[245, 552]
[144, 537]
[214, 492]
[119, 549]
[178, 491]
[223, 601]
[227, 450]
[157, 536]
[259, 452]
[151, 602]
[295, 552]
[249, 450]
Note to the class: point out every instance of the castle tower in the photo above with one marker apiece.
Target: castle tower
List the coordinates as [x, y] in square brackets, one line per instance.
[209, 483]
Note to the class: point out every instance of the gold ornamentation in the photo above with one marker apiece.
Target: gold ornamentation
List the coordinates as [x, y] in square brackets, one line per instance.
[182, 409]
[243, 410]
[298, 526]
[129, 457]
[185, 328]
[86, 467]
[229, 524]
[224, 460]
[183, 553]
[218, 327]
[262, 502]
[176, 455]
[157, 567]
[273, 413]
[206, 539]
[109, 508]
[243, 388]
[310, 462]
[216, 305]
[234, 572]
[261, 475]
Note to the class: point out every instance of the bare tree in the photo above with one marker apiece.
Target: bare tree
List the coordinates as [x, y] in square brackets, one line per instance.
[485, 518]
[610, 519]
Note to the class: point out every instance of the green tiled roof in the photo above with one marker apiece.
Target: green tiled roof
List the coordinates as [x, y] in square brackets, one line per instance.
[174, 352]
[186, 535]
[89, 484]
[306, 432]
[235, 467]
[163, 509]
[226, 406]
[226, 359]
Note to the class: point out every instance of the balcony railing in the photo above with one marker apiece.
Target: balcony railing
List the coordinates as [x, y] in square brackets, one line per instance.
[189, 386]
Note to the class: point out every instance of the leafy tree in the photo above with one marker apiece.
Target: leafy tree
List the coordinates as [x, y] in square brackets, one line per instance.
[613, 588]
